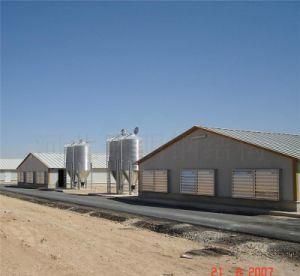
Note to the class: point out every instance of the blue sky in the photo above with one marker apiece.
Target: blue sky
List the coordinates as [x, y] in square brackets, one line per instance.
[74, 69]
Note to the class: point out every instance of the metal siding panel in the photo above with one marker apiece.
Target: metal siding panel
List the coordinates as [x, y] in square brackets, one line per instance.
[243, 183]
[99, 177]
[148, 180]
[161, 181]
[206, 182]
[155, 180]
[188, 181]
[267, 184]
[29, 177]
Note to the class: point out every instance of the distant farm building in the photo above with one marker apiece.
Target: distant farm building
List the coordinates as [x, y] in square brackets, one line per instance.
[8, 170]
[47, 170]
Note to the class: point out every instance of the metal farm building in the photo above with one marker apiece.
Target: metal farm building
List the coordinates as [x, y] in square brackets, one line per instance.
[8, 170]
[47, 170]
[223, 166]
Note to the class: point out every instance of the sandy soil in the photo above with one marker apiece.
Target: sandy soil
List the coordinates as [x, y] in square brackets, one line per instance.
[40, 240]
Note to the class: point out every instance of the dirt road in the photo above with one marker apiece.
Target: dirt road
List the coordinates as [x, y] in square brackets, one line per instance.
[39, 240]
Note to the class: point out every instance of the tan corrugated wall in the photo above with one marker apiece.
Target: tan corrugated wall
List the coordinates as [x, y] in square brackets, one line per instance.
[224, 155]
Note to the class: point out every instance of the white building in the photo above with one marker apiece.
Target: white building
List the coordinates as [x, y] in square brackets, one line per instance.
[8, 170]
[47, 170]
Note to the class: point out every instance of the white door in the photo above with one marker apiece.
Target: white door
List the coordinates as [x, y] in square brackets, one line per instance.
[7, 177]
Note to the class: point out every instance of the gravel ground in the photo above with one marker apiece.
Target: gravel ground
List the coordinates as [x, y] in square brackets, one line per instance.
[240, 245]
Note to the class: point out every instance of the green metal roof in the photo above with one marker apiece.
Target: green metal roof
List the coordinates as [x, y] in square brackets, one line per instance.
[287, 144]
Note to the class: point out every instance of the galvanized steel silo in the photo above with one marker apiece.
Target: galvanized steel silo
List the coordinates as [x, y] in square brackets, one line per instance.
[82, 160]
[123, 152]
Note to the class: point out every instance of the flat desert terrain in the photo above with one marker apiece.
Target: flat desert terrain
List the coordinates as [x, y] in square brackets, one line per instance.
[40, 240]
